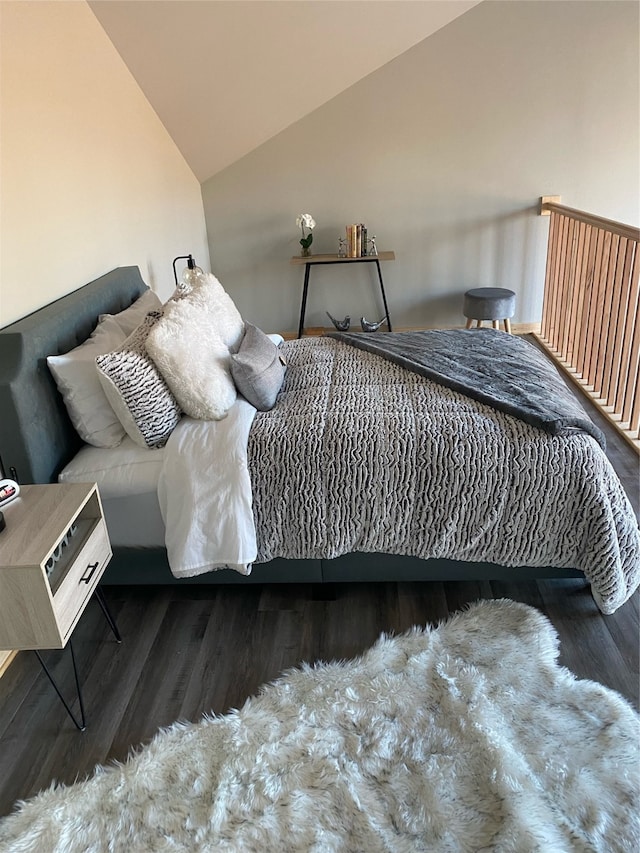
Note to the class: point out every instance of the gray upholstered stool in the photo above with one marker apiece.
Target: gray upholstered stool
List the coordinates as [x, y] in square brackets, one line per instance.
[490, 303]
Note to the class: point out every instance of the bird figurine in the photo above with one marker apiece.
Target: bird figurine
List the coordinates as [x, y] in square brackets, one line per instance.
[371, 327]
[341, 325]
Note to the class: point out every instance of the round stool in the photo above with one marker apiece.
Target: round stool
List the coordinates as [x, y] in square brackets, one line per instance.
[489, 303]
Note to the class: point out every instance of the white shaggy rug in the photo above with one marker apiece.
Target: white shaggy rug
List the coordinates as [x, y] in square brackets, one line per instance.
[465, 737]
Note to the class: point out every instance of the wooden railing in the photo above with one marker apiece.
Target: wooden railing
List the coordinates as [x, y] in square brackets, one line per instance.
[591, 310]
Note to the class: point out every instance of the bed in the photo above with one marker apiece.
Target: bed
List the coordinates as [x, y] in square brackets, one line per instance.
[38, 442]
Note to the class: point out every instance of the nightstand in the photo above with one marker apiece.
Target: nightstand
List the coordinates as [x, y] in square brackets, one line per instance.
[53, 552]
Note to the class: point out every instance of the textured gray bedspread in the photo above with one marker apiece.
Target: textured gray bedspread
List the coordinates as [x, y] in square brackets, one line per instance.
[492, 367]
[360, 454]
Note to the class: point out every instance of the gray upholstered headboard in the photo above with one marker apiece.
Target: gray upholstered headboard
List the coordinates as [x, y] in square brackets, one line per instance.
[36, 435]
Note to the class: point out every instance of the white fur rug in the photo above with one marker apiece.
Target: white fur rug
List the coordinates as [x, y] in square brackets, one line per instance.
[466, 737]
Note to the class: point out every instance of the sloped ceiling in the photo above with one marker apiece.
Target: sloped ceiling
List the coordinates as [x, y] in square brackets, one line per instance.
[224, 76]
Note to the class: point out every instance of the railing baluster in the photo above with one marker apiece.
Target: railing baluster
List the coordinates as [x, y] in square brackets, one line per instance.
[594, 307]
[555, 255]
[631, 385]
[598, 318]
[570, 280]
[625, 330]
[611, 357]
[634, 383]
[576, 293]
[560, 265]
[619, 309]
[607, 328]
[550, 291]
[581, 357]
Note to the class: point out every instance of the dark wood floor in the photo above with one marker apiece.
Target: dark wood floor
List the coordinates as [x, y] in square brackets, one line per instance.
[191, 650]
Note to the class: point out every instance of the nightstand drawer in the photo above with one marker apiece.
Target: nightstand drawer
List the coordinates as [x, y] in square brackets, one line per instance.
[81, 578]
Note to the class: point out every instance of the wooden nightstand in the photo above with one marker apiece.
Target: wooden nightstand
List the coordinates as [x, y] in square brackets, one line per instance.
[53, 552]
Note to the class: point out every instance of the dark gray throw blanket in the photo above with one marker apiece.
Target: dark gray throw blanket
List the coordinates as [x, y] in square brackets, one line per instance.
[489, 366]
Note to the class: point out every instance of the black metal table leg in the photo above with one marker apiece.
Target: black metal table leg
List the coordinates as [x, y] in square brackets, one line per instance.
[384, 298]
[83, 723]
[107, 613]
[303, 307]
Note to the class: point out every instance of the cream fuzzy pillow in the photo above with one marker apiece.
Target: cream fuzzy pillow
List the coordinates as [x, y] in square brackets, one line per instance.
[191, 346]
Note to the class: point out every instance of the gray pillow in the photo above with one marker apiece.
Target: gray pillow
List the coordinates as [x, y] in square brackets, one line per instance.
[258, 369]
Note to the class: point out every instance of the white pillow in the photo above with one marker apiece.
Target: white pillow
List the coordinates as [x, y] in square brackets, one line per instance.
[75, 375]
[191, 346]
[138, 394]
[131, 317]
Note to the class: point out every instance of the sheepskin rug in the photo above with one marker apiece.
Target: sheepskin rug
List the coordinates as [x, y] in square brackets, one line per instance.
[464, 737]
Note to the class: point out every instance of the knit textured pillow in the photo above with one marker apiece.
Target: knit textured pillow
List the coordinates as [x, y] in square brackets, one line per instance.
[138, 394]
[191, 346]
[258, 369]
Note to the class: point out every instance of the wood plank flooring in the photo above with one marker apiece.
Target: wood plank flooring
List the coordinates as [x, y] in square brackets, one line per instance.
[194, 650]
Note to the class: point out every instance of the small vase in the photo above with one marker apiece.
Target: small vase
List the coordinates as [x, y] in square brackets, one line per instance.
[305, 252]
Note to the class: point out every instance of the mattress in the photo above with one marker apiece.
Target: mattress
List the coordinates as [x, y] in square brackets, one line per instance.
[127, 478]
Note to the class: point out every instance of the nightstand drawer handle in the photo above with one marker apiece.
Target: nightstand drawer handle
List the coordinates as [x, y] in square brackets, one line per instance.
[93, 567]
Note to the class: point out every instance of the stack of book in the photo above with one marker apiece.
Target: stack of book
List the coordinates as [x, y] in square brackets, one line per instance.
[356, 240]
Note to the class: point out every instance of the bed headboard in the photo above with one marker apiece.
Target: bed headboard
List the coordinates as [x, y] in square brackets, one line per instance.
[37, 438]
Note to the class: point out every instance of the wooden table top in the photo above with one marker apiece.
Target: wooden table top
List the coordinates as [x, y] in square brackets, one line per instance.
[332, 259]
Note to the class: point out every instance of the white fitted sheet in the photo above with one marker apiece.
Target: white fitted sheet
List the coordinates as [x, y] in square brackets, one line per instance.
[127, 477]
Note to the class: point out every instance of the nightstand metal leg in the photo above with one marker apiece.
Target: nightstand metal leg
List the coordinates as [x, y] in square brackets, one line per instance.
[83, 723]
[107, 613]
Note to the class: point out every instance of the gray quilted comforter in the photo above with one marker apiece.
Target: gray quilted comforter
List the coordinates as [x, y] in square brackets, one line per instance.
[360, 454]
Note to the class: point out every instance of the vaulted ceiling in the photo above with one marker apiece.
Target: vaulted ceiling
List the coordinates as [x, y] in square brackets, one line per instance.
[224, 76]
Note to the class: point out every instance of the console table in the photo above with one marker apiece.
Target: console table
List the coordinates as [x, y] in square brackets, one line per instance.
[312, 260]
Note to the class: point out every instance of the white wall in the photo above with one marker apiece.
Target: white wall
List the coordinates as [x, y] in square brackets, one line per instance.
[90, 178]
[443, 153]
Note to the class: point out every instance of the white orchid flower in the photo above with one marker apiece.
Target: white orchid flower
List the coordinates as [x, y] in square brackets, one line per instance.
[306, 220]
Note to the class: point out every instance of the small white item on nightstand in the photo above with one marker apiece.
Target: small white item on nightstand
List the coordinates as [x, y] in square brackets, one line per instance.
[9, 490]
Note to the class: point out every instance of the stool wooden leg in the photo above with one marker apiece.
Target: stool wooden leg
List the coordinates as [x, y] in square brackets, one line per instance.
[507, 325]
[469, 322]
[478, 324]
[495, 324]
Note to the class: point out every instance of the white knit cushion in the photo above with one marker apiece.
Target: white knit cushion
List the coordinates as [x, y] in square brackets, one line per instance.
[75, 375]
[145, 406]
[191, 346]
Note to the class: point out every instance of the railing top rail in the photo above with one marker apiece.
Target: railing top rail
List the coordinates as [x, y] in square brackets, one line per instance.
[628, 231]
